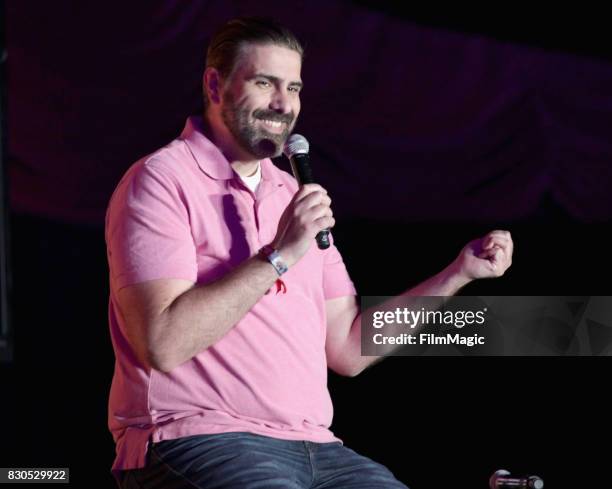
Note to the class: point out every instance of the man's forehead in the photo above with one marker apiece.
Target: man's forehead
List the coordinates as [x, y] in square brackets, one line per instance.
[272, 59]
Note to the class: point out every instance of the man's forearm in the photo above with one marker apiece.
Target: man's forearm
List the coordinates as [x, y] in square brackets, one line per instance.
[446, 283]
[201, 316]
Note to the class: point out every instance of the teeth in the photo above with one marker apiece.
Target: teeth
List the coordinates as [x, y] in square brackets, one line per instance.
[272, 123]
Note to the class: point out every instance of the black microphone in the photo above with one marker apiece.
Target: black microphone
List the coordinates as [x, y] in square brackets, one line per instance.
[503, 480]
[296, 149]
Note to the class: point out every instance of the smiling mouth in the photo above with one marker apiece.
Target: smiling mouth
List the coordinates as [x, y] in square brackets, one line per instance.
[274, 126]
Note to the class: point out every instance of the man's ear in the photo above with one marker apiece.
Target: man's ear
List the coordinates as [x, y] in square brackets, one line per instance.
[212, 84]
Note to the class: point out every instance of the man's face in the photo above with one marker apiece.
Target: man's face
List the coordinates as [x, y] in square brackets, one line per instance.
[261, 100]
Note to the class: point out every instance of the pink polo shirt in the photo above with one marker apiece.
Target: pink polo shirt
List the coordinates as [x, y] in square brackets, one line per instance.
[182, 212]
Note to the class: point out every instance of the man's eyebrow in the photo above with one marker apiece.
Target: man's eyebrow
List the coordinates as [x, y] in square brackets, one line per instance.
[277, 80]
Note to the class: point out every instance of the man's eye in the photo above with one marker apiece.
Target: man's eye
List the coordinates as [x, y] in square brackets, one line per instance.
[294, 89]
[262, 83]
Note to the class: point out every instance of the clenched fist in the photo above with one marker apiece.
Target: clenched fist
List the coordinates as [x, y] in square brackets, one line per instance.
[308, 213]
[486, 257]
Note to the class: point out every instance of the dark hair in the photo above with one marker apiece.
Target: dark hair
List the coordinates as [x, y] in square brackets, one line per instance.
[225, 45]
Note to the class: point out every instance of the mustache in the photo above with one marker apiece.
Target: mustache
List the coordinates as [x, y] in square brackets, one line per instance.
[273, 116]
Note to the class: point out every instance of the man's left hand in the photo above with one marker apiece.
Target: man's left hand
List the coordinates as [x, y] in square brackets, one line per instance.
[486, 257]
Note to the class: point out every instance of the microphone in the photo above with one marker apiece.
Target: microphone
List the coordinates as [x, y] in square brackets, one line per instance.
[503, 480]
[296, 150]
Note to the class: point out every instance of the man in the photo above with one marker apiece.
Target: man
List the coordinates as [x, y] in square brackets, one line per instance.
[224, 316]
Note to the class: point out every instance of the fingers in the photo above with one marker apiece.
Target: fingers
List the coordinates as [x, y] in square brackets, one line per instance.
[311, 209]
[326, 222]
[498, 235]
[307, 214]
[497, 248]
[306, 190]
[498, 238]
[496, 251]
[490, 253]
[321, 216]
[309, 196]
[313, 199]
[496, 256]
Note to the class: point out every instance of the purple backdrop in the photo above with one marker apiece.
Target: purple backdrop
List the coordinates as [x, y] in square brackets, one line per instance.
[405, 122]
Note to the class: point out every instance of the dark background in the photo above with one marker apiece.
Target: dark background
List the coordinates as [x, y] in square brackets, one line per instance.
[88, 94]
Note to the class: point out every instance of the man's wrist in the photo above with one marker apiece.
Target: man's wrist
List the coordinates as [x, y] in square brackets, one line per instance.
[454, 278]
[273, 256]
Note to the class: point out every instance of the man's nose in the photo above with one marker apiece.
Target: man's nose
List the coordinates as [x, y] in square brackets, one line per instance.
[280, 102]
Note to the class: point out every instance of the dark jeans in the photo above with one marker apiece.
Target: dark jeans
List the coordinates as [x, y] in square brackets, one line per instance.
[248, 461]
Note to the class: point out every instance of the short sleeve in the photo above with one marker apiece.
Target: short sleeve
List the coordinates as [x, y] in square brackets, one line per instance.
[148, 235]
[336, 280]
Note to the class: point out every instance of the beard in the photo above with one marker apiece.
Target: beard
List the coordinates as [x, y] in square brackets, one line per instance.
[253, 138]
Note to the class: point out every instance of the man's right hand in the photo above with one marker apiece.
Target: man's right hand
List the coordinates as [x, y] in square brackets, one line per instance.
[308, 213]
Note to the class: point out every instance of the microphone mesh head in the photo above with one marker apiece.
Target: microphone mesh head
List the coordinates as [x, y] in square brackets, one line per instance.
[495, 476]
[296, 144]
[536, 482]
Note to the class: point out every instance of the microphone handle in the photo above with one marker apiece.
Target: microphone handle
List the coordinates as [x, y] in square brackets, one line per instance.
[300, 165]
[508, 482]
[519, 483]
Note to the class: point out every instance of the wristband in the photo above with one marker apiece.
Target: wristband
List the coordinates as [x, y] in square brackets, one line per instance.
[274, 258]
